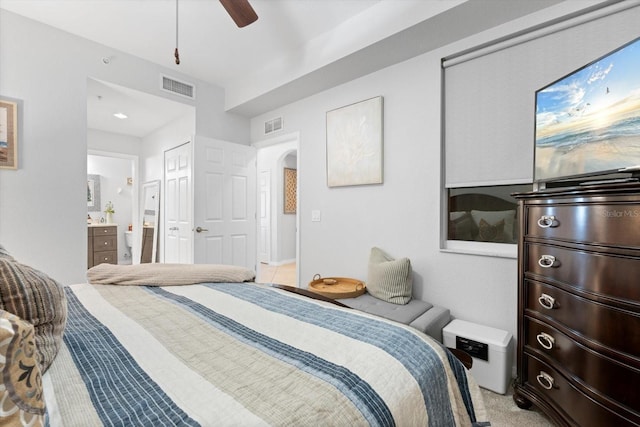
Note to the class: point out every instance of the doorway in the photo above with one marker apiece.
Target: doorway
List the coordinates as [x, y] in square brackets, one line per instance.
[149, 130]
[278, 225]
[114, 175]
[210, 203]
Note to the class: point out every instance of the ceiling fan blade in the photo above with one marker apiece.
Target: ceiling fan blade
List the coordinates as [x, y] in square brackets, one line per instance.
[240, 11]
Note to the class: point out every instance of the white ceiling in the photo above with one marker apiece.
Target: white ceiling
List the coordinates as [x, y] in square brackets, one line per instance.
[295, 49]
[145, 113]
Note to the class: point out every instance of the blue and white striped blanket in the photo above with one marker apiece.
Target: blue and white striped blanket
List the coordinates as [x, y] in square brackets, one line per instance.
[243, 354]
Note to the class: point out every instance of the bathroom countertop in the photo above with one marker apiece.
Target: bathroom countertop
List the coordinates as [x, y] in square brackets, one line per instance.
[101, 224]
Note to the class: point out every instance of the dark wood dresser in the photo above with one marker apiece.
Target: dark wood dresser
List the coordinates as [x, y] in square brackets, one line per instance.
[102, 245]
[579, 304]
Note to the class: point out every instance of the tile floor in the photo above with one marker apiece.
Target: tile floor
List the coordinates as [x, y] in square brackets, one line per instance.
[281, 274]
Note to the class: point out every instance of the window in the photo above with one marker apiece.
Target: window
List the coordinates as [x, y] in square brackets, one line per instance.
[488, 108]
[483, 219]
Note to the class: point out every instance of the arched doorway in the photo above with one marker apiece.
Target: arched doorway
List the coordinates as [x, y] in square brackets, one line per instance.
[278, 240]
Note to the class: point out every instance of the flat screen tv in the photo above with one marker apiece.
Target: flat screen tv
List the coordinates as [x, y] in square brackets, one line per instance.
[588, 123]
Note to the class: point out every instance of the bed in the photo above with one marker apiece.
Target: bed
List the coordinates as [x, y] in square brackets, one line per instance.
[242, 354]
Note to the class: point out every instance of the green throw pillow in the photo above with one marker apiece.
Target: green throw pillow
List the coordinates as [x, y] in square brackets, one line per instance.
[389, 279]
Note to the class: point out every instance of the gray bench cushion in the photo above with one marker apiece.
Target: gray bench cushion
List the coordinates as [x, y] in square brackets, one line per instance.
[406, 313]
[433, 321]
[421, 315]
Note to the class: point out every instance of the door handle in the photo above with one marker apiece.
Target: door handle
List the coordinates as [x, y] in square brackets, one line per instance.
[200, 229]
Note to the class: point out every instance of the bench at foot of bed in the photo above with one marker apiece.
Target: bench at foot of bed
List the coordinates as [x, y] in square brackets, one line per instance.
[421, 315]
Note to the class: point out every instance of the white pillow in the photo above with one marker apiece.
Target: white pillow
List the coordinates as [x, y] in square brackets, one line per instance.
[493, 218]
[456, 215]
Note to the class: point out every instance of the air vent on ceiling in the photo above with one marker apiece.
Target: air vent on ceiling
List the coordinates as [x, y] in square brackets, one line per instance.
[272, 125]
[178, 87]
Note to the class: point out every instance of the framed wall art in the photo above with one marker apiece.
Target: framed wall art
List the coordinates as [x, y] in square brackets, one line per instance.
[8, 134]
[290, 189]
[355, 144]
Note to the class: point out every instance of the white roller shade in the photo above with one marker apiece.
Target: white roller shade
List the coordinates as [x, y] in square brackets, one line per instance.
[489, 100]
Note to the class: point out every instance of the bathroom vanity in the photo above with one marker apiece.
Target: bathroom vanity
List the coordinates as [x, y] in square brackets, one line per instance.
[103, 244]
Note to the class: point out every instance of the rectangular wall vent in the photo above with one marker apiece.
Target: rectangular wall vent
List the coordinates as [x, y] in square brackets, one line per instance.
[178, 87]
[272, 125]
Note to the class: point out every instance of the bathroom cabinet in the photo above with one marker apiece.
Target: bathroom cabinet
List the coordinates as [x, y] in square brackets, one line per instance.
[103, 244]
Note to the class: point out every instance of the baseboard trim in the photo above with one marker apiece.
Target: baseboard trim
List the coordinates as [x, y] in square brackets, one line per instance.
[279, 263]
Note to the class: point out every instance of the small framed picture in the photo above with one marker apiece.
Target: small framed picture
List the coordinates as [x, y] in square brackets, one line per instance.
[8, 135]
[290, 190]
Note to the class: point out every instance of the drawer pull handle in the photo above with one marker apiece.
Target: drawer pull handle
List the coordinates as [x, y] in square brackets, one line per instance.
[545, 380]
[547, 301]
[106, 243]
[546, 221]
[546, 261]
[546, 340]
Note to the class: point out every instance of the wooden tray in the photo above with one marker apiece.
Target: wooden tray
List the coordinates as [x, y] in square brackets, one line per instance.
[337, 287]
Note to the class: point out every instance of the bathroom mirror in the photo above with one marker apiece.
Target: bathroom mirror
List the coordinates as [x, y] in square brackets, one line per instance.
[93, 193]
[149, 216]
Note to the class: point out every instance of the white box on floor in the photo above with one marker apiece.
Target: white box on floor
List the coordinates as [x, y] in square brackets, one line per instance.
[490, 348]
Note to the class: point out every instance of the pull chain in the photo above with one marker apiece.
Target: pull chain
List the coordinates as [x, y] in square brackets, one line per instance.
[176, 53]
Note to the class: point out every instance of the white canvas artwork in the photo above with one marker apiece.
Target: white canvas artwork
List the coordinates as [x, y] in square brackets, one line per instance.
[354, 144]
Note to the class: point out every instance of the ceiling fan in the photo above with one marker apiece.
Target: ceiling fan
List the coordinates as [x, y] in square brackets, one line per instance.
[239, 10]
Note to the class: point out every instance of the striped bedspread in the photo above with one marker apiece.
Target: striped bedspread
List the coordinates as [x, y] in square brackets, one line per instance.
[243, 354]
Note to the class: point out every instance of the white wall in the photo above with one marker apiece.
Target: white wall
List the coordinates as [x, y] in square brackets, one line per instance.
[401, 216]
[99, 140]
[167, 137]
[47, 70]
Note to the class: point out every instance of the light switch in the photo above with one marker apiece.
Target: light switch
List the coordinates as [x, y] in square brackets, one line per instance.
[315, 216]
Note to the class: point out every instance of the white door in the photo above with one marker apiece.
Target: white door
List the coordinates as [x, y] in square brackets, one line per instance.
[224, 203]
[178, 235]
[264, 220]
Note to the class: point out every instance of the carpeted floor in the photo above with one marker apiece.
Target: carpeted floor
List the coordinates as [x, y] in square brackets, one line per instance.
[503, 412]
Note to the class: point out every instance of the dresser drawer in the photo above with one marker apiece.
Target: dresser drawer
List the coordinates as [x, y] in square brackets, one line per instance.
[614, 379]
[105, 243]
[567, 399]
[107, 257]
[591, 320]
[105, 231]
[607, 275]
[610, 224]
